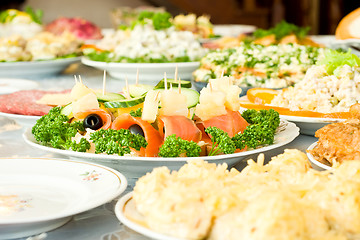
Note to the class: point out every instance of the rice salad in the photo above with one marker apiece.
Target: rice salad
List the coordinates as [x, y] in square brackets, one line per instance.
[322, 92]
[254, 65]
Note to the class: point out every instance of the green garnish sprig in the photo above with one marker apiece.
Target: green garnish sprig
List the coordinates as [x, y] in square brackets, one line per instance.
[160, 20]
[281, 30]
[261, 131]
[221, 142]
[136, 113]
[174, 146]
[36, 16]
[111, 141]
[54, 129]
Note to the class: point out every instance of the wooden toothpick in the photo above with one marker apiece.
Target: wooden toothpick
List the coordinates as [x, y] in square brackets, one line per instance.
[179, 86]
[165, 81]
[157, 96]
[104, 82]
[137, 76]
[176, 72]
[127, 88]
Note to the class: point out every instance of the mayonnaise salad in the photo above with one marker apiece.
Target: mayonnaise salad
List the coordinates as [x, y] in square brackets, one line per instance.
[43, 46]
[321, 92]
[145, 44]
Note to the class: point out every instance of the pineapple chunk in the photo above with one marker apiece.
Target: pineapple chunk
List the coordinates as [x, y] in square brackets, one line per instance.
[212, 104]
[232, 92]
[79, 90]
[89, 101]
[151, 106]
[173, 103]
[232, 99]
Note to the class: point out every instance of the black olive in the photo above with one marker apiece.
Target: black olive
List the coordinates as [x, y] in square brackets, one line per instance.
[136, 129]
[93, 121]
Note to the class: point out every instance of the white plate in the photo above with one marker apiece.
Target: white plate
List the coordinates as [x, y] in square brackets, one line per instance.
[10, 85]
[126, 212]
[39, 194]
[326, 40]
[309, 125]
[25, 120]
[35, 69]
[135, 167]
[315, 163]
[149, 72]
[353, 44]
[233, 29]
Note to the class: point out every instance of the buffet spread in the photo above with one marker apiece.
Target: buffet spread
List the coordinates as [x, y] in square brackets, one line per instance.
[169, 122]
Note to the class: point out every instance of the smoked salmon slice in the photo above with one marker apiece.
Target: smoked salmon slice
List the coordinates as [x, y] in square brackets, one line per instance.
[104, 115]
[181, 126]
[152, 136]
[232, 122]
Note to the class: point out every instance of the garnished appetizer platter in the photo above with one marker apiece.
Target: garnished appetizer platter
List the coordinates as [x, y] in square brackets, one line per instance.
[165, 124]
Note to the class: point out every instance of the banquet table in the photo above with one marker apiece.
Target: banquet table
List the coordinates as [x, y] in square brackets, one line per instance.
[101, 222]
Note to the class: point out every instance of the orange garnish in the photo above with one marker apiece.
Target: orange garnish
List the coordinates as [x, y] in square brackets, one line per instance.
[343, 30]
[91, 46]
[261, 95]
[288, 112]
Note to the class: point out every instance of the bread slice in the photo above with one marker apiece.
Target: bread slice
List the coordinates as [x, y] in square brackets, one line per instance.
[349, 26]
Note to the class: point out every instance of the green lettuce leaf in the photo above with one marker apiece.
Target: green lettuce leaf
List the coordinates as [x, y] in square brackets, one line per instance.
[335, 59]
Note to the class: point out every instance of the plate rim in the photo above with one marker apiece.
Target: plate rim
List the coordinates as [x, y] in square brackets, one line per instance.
[19, 116]
[291, 128]
[104, 199]
[119, 207]
[40, 62]
[310, 119]
[313, 160]
[86, 61]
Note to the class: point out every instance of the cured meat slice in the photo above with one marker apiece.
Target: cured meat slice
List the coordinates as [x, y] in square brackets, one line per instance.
[180, 126]
[24, 102]
[232, 122]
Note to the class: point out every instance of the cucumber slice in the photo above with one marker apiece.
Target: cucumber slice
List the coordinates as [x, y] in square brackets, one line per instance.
[108, 96]
[125, 103]
[67, 110]
[192, 96]
[183, 83]
[137, 90]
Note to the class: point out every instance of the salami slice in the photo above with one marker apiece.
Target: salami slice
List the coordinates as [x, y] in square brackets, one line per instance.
[24, 102]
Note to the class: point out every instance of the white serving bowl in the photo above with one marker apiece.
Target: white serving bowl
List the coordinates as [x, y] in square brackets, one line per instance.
[35, 69]
[149, 72]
